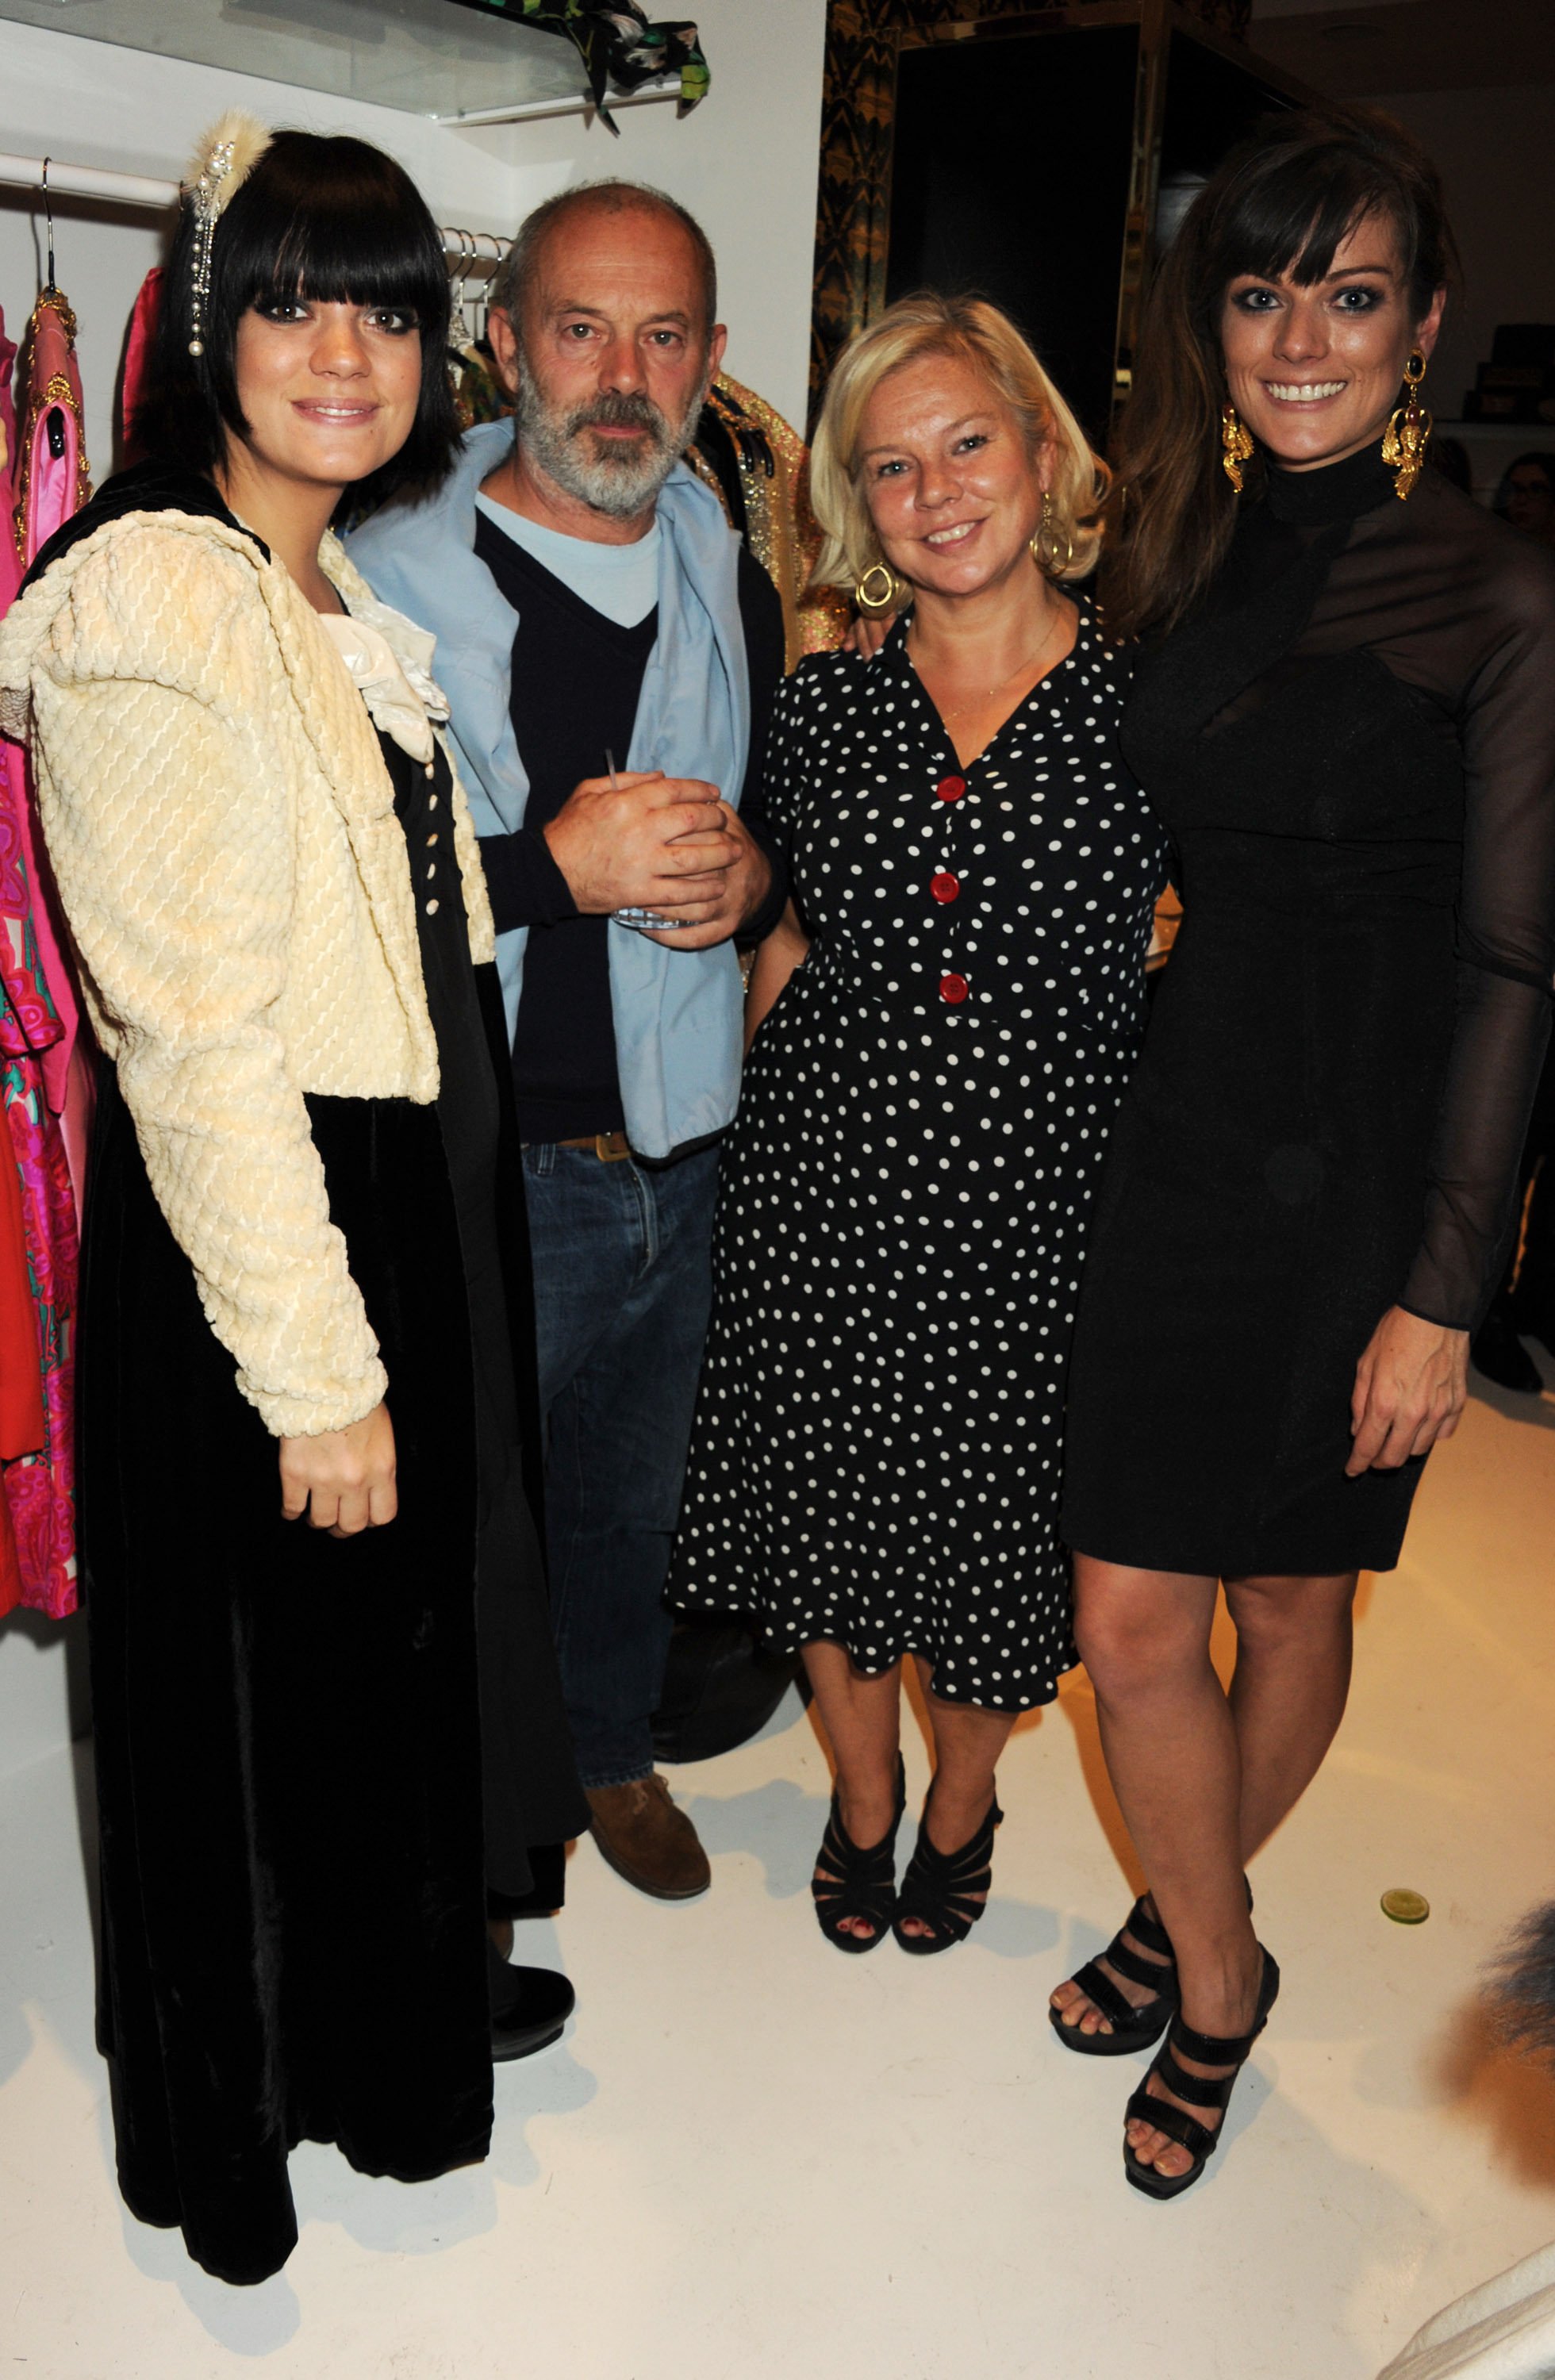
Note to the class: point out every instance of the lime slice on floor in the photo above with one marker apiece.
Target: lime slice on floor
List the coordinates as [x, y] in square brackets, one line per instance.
[1406, 1908]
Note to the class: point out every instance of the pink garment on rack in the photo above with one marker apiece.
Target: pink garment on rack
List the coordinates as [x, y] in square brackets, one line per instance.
[44, 1082]
[55, 476]
[137, 362]
[53, 483]
[10, 552]
[22, 1429]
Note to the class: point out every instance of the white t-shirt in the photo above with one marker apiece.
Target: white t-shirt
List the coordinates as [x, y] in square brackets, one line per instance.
[622, 581]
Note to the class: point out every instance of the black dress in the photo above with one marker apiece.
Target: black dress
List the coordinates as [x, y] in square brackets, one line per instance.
[313, 1755]
[905, 1194]
[1354, 747]
[532, 1803]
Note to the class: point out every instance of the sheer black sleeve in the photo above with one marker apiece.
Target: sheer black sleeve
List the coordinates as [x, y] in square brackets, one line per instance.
[1506, 955]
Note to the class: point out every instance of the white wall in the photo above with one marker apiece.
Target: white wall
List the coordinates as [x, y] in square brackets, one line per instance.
[744, 163]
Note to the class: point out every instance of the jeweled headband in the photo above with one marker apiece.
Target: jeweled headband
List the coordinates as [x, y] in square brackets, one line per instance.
[220, 166]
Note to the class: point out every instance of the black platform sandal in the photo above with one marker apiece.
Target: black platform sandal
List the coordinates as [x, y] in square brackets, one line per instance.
[1166, 2117]
[860, 1883]
[1133, 2028]
[942, 1888]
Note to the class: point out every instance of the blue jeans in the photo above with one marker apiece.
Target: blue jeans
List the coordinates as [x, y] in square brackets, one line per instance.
[623, 1267]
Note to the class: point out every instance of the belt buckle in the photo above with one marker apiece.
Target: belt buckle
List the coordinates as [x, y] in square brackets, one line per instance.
[611, 1147]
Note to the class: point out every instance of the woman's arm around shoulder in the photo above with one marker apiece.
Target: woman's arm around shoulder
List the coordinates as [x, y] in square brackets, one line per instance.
[785, 948]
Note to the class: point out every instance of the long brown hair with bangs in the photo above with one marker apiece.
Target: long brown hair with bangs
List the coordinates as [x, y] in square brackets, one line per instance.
[1281, 202]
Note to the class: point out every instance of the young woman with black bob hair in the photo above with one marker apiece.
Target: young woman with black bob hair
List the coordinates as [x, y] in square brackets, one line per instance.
[1341, 708]
[326, 1704]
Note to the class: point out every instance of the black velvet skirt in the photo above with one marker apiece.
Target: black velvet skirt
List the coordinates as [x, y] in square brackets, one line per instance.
[313, 1755]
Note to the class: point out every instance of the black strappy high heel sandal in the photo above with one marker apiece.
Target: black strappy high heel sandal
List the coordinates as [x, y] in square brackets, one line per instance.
[1166, 2117]
[1133, 2028]
[860, 1883]
[940, 1889]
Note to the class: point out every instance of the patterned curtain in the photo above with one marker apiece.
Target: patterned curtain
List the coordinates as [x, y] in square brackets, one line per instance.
[850, 235]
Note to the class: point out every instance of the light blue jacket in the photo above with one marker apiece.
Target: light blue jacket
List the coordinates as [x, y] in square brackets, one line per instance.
[677, 1013]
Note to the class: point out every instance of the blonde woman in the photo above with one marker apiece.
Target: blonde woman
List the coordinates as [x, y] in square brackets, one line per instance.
[944, 1021]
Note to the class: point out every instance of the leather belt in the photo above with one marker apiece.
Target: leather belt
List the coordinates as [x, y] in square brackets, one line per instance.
[608, 1147]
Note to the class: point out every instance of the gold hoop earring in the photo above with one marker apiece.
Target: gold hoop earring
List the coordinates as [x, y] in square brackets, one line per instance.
[1408, 433]
[1236, 444]
[875, 600]
[1044, 545]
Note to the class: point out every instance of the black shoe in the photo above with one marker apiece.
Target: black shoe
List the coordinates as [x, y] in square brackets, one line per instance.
[1165, 2115]
[850, 1882]
[1133, 2028]
[1499, 1352]
[529, 2005]
[946, 1889]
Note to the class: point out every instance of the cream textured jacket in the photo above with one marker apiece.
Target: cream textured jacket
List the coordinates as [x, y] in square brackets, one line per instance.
[220, 823]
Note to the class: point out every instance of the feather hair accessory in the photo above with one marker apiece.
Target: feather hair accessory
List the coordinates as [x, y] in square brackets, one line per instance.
[220, 166]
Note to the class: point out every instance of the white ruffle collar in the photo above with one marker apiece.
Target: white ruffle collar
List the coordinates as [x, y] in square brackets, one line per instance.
[398, 686]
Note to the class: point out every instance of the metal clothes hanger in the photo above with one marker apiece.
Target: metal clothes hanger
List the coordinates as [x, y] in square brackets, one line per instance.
[483, 297]
[54, 420]
[48, 218]
[467, 258]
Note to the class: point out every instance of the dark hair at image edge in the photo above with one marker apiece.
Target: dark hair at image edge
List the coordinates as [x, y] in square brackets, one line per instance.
[1282, 202]
[334, 220]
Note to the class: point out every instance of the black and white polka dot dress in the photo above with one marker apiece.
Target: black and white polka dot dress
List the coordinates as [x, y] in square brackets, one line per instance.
[904, 1192]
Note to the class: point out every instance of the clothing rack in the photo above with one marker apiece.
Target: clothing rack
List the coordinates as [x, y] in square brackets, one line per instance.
[54, 177]
[85, 182]
[526, 110]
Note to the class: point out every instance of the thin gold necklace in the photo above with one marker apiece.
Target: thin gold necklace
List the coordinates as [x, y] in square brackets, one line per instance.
[1020, 669]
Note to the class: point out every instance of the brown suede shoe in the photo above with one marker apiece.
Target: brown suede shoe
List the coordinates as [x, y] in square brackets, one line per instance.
[648, 1839]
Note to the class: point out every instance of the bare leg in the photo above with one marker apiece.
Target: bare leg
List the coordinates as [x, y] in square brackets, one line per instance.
[1202, 1779]
[862, 1716]
[1294, 1638]
[967, 1742]
[1173, 1756]
[1287, 1697]
[1157, 1625]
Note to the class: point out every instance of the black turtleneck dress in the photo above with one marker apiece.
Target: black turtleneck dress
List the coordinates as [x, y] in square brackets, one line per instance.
[1352, 745]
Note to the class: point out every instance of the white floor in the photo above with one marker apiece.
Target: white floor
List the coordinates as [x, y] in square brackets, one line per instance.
[753, 2157]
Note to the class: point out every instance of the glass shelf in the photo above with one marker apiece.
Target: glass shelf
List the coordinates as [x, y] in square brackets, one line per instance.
[431, 57]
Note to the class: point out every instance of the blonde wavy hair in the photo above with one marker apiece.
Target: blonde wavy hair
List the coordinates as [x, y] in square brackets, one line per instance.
[973, 333]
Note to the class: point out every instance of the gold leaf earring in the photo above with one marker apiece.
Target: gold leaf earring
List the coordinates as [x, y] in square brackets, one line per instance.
[1044, 545]
[1236, 444]
[877, 591]
[1408, 433]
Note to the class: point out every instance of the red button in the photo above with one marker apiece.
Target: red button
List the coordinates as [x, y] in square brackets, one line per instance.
[954, 988]
[944, 887]
[950, 789]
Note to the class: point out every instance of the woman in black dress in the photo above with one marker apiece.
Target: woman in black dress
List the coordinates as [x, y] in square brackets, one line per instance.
[1344, 713]
[947, 1015]
[327, 1711]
